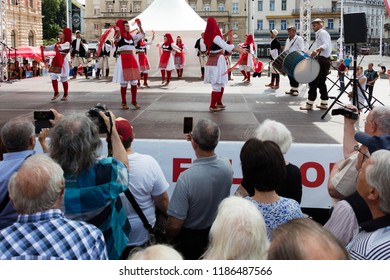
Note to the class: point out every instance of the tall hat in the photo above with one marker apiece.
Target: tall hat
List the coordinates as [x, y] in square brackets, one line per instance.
[67, 34]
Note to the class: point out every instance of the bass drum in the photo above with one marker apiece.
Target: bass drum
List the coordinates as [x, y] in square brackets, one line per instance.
[301, 66]
[278, 63]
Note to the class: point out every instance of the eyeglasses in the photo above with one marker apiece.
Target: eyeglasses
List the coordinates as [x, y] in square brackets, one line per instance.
[357, 149]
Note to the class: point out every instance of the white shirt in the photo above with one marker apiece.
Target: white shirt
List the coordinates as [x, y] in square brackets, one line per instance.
[202, 45]
[323, 41]
[146, 180]
[295, 44]
[222, 44]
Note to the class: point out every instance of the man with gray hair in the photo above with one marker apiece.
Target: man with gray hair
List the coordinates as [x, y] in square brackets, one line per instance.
[198, 192]
[372, 243]
[18, 138]
[42, 231]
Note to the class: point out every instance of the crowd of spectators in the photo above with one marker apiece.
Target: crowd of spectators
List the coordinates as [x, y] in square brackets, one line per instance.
[73, 203]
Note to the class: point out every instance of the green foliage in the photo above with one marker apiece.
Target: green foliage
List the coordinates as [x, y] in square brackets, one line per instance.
[54, 18]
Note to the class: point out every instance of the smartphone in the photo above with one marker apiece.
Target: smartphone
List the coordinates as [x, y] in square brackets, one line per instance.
[43, 115]
[187, 127]
[42, 120]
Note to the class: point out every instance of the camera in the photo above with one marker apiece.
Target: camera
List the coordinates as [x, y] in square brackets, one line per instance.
[94, 115]
[346, 112]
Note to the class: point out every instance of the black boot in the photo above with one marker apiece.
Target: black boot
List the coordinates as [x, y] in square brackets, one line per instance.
[74, 73]
[86, 72]
[97, 75]
[107, 72]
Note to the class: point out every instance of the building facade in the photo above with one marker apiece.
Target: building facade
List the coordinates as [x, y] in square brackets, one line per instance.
[100, 14]
[22, 23]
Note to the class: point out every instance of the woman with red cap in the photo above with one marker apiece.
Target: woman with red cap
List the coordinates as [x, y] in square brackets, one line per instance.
[216, 68]
[126, 67]
[246, 59]
[167, 64]
[59, 67]
[179, 57]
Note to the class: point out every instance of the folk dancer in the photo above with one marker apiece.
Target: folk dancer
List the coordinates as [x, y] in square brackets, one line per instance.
[126, 67]
[59, 67]
[78, 52]
[216, 68]
[142, 59]
[103, 59]
[167, 64]
[180, 57]
[247, 59]
[293, 43]
[201, 53]
[275, 51]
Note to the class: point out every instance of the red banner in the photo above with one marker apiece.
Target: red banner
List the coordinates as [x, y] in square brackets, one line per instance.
[387, 3]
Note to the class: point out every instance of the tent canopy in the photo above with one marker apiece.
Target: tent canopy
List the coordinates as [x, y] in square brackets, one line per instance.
[170, 15]
[30, 52]
[178, 18]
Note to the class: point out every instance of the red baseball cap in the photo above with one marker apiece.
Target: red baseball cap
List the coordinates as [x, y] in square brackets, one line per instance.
[124, 128]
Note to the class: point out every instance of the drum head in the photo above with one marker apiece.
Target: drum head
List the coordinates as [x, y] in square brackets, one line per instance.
[306, 71]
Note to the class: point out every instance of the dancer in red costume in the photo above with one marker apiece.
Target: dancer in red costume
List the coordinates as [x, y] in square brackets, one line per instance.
[126, 67]
[180, 57]
[216, 68]
[166, 64]
[142, 59]
[247, 59]
[59, 67]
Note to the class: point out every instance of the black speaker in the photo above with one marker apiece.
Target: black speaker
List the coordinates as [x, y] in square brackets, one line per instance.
[355, 28]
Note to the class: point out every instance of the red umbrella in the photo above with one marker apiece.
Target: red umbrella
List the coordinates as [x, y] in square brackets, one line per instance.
[30, 52]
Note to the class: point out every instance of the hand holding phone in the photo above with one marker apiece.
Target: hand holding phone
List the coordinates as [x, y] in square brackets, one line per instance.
[42, 120]
[187, 127]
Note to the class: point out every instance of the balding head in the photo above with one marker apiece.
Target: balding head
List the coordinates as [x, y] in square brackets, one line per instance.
[305, 239]
[37, 186]
[18, 135]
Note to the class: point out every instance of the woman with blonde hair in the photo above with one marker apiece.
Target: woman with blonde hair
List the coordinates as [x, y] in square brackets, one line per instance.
[238, 232]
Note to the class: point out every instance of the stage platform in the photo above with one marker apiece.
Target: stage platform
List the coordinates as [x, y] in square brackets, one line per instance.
[163, 109]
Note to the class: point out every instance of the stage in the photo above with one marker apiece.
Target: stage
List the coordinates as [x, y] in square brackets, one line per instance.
[163, 109]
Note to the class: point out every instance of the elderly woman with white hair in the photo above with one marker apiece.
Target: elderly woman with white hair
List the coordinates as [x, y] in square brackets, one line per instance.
[238, 232]
[278, 133]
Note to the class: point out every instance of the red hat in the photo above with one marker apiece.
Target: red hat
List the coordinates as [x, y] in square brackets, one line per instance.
[124, 128]
[67, 34]
[211, 31]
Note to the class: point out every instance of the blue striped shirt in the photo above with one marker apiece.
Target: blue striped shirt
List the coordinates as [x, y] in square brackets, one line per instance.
[49, 235]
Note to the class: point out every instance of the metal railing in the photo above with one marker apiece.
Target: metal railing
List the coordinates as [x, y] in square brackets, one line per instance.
[319, 11]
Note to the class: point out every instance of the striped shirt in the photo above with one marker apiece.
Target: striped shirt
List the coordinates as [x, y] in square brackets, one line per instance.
[373, 243]
[49, 235]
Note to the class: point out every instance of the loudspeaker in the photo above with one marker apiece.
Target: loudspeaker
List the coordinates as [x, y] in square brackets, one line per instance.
[355, 28]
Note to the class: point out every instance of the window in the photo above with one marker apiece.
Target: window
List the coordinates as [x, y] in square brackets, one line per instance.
[123, 8]
[297, 24]
[221, 7]
[235, 8]
[137, 6]
[284, 5]
[260, 5]
[283, 24]
[193, 6]
[271, 24]
[330, 23]
[13, 39]
[96, 10]
[206, 7]
[31, 5]
[235, 25]
[259, 24]
[110, 7]
[96, 26]
[272, 5]
[31, 41]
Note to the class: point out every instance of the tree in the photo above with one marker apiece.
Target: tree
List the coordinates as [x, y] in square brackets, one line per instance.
[54, 18]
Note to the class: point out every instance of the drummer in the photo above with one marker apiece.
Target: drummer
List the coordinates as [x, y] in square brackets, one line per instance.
[274, 53]
[293, 43]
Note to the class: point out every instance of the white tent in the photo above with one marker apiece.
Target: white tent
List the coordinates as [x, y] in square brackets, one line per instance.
[179, 19]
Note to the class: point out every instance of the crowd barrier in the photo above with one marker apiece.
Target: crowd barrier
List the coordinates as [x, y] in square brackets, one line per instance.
[314, 160]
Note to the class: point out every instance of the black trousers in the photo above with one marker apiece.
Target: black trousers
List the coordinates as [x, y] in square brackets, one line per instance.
[293, 82]
[320, 81]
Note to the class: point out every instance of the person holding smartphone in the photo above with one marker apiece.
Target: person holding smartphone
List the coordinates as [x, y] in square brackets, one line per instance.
[216, 68]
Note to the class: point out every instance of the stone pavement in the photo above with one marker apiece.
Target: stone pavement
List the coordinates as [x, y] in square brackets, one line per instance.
[163, 109]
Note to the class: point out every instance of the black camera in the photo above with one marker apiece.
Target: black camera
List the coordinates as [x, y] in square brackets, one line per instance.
[346, 112]
[94, 115]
